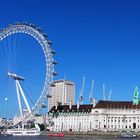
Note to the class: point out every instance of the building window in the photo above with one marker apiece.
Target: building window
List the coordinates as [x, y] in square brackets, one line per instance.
[126, 126]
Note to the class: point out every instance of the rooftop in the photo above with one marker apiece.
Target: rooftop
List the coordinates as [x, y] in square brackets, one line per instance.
[66, 108]
[101, 104]
[67, 82]
[117, 104]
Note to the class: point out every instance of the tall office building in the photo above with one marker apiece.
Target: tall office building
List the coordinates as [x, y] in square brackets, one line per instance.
[63, 92]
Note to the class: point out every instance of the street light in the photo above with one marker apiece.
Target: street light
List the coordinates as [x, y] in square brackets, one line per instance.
[5, 106]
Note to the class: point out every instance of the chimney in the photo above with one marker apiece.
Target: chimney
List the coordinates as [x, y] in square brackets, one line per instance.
[56, 107]
[94, 102]
[78, 104]
[70, 105]
[58, 104]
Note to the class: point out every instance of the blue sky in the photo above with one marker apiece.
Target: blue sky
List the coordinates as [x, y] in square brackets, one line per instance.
[93, 38]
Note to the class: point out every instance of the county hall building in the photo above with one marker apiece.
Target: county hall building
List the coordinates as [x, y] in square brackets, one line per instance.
[102, 116]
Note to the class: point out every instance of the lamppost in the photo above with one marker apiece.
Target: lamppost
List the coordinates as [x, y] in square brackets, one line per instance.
[5, 110]
[5, 106]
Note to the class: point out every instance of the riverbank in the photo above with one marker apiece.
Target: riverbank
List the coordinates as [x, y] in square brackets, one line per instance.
[90, 134]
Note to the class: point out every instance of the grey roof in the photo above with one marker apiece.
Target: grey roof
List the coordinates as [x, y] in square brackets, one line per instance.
[66, 108]
[117, 104]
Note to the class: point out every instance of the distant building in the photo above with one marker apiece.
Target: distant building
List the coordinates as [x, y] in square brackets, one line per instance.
[63, 92]
[3, 122]
[37, 119]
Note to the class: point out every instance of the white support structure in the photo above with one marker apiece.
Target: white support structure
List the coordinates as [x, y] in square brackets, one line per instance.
[20, 91]
[24, 98]
[18, 97]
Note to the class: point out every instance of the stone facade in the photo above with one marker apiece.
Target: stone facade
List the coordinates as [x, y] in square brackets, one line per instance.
[105, 116]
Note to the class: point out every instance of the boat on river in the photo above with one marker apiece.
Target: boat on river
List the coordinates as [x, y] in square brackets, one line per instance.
[22, 131]
[128, 135]
[56, 135]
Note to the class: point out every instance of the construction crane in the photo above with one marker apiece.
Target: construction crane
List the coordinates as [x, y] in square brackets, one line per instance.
[81, 92]
[103, 91]
[110, 93]
[91, 92]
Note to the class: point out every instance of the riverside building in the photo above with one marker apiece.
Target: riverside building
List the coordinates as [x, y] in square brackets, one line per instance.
[104, 116]
[63, 92]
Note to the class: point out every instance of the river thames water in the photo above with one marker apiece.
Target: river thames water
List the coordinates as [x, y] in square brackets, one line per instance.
[65, 138]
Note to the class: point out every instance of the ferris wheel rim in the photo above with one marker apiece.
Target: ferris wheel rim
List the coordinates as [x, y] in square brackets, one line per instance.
[40, 37]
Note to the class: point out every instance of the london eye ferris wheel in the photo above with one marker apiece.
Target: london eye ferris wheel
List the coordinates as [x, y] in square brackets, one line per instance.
[25, 55]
